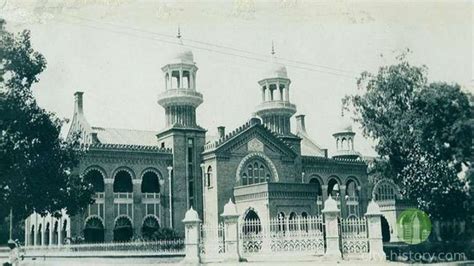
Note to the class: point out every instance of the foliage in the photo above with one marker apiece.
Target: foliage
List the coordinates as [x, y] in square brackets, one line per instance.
[165, 233]
[422, 133]
[36, 164]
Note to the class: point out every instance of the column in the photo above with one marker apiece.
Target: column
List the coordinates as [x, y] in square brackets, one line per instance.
[137, 207]
[170, 199]
[287, 92]
[27, 226]
[51, 229]
[35, 235]
[192, 225]
[263, 94]
[374, 228]
[109, 215]
[280, 94]
[342, 197]
[180, 79]
[231, 229]
[191, 80]
[60, 229]
[324, 189]
[331, 213]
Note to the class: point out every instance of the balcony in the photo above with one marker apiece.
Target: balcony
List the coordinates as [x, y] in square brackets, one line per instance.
[181, 96]
[123, 197]
[277, 106]
[151, 197]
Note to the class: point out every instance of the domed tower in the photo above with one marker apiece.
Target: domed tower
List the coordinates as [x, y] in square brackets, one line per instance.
[180, 98]
[345, 140]
[275, 108]
[182, 134]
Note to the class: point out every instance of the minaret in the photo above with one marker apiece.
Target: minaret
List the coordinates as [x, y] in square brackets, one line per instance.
[275, 108]
[345, 140]
[180, 98]
[182, 134]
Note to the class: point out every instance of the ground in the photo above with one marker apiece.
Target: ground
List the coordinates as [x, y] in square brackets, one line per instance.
[175, 261]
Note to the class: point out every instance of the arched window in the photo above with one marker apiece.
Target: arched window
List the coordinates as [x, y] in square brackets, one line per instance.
[123, 231]
[175, 80]
[150, 183]
[281, 222]
[385, 190]
[343, 144]
[123, 182]
[255, 172]
[96, 179]
[209, 176]
[186, 80]
[315, 180]
[39, 235]
[150, 226]
[292, 223]
[333, 188]
[351, 189]
[252, 223]
[94, 230]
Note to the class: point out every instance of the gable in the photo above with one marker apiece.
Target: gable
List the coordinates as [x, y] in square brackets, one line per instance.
[255, 138]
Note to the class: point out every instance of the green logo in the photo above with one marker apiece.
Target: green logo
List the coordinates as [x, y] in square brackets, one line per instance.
[414, 226]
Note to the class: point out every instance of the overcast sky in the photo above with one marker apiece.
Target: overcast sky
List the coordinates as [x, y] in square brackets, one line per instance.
[113, 50]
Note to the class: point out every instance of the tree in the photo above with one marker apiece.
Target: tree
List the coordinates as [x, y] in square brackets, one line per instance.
[36, 164]
[422, 133]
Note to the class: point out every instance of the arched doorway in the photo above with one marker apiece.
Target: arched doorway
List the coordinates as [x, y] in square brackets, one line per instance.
[46, 235]
[150, 226]
[39, 235]
[385, 230]
[55, 233]
[252, 224]
[123, 231]
[94, 230]
[32, 235]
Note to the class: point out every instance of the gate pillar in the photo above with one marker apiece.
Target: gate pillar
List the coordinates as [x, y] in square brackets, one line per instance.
[191, 238]
[374, 229]
[331, 214]
[231, 230]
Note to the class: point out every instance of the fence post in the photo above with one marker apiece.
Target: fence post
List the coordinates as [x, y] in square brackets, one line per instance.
[374, 229]
[331, 212]
[191, 238]
[231, 230]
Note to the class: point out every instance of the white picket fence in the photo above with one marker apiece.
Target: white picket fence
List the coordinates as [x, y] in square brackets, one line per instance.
[138, 248]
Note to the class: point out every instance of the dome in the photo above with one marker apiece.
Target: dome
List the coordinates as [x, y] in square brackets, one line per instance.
[276, 70]
[345, 125]
[181, 54]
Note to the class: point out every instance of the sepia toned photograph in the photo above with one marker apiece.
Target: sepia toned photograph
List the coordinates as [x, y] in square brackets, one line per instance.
[236, 132]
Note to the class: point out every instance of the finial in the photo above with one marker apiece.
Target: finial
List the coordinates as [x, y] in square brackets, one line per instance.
[179, 33]
[273, 48]
[342, 110]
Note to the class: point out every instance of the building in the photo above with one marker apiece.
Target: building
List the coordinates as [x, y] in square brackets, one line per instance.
[145, 180]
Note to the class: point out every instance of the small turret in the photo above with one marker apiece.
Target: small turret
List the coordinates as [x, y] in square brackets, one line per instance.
[344, 136]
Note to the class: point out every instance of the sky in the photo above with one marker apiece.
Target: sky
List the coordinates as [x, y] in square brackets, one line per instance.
[113, 51]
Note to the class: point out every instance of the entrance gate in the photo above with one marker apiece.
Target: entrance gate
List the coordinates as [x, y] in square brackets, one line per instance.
[298, 236]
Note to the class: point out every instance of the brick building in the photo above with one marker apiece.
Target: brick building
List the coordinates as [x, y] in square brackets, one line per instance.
[146, 179]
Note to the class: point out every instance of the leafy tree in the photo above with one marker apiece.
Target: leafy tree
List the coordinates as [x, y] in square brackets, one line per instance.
[36, 164]
[422, 133]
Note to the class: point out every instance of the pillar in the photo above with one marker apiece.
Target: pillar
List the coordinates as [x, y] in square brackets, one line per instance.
[137, 206]
[374, 228]
[60, 229]
[27, 226]
[51, 230]
[331, 213]
[342, 199]
[263, 94]
[109, 207]
[287, 92]
[192, 226]
[231, 230]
